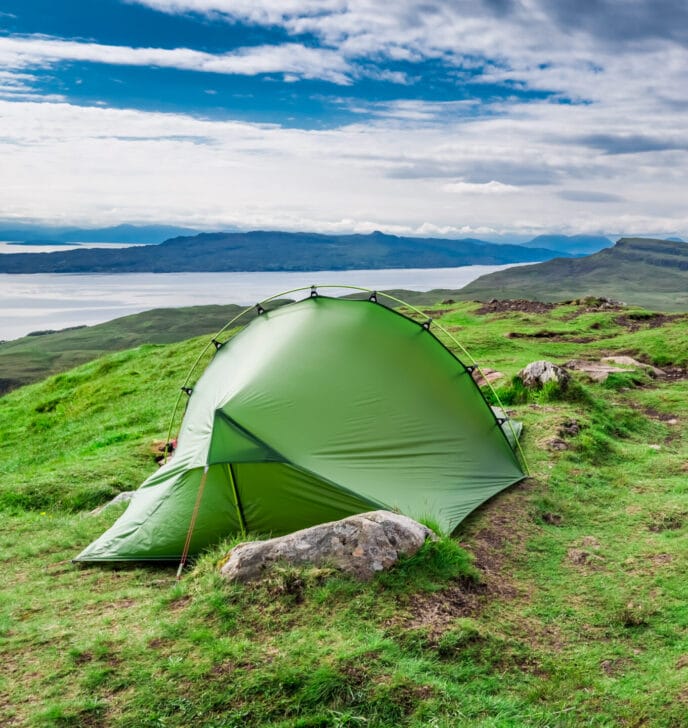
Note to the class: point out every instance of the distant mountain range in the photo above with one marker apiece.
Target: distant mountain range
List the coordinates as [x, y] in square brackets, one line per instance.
[44, 234]
[571, 244]
[276, 251]
[643, 271]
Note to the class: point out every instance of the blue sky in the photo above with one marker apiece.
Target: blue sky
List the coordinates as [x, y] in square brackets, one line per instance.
[493, 118]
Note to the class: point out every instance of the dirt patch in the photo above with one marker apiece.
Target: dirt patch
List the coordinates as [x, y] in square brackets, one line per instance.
[569, 428]
[581, 557]
[179, 603]
[556, 444]
[518, 304]
[495, 534]
[682, 662]
[675, 372]
[436, 313]
[558, 336]
[552, 519]
[615, 667]
[158, 642]
[654, 414]
[667, 522]
[643, 320]
[437, 611]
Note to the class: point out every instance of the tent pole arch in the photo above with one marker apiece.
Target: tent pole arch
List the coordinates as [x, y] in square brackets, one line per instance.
[311, 289]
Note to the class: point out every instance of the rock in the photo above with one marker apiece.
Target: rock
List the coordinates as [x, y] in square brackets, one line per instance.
[123, 497]
[485, 375]
[537, 373]
[629, 361]
[596, 371]
[359, 545]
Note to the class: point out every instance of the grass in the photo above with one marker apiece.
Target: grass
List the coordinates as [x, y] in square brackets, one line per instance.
[561, 602]
[642, 272]
[34, 357]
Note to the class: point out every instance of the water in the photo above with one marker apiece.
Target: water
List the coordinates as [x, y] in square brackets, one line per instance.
[8, 246]
[57, 300]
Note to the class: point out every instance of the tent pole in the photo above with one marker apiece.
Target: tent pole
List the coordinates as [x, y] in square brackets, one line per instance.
[197, 505]
[237, 502]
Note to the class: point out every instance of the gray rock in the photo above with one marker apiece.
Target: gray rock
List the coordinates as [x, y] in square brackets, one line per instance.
[537, 373]
[629, 361]
[360, 545]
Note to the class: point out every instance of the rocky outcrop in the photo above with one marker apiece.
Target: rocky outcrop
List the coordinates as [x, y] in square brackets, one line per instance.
[360, 545]
[538, 373]
[598, 371]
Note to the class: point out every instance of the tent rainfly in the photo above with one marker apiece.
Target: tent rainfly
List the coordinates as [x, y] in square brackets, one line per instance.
[315, 411]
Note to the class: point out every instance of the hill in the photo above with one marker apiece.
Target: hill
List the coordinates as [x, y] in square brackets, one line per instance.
[560, 602]
[273, 251]
[38, 355]
[570, 244]
[642, 271]
[35, 234]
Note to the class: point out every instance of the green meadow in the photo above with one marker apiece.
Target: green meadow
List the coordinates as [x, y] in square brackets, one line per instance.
[563, 601]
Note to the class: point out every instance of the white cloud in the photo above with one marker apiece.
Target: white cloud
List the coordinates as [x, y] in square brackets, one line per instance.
[487, 188]
[90, 165]
[291, 58]
[451, 167]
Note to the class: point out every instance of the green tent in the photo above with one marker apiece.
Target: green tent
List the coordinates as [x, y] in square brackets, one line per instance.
[315, 411]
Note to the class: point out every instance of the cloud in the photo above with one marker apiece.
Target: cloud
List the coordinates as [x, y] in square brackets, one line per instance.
[632, 143]
[82, 165]
[487, 188]
[589, 196]
[288, 58]
[539, 105]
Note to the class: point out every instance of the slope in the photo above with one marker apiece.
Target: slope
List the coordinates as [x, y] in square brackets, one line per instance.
[642, 271]
[572, 612]
[38, 355]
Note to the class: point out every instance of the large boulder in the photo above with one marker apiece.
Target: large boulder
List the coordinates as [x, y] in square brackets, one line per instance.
[538, 373]
[359, 545]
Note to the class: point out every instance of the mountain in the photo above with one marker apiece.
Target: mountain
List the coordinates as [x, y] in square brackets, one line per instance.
[275, 251]
[643, 271]
[35, 234]
[571, 244]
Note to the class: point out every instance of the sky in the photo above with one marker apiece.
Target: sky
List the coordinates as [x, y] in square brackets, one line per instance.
[499, 119]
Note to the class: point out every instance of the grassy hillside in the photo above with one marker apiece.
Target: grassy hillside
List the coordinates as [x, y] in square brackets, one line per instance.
[644, 272]
[561, 602]
[34, 357]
